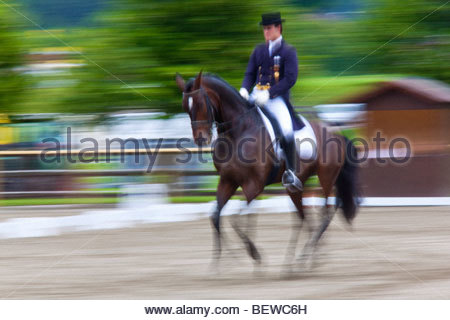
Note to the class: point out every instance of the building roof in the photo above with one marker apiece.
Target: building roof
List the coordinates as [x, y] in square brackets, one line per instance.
[431, 90]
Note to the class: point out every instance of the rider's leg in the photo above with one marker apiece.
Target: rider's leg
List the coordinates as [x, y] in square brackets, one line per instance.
[278, 113]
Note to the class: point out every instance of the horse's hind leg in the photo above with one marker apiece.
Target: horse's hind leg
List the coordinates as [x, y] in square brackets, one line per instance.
[327, 180]
[310, 247]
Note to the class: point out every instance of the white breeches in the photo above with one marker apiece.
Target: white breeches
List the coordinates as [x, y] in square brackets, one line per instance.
[305, 139]
[278, 110]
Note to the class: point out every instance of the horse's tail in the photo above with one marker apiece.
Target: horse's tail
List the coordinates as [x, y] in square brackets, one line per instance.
[347, 192]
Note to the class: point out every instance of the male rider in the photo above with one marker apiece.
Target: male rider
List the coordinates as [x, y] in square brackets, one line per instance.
[272, 71]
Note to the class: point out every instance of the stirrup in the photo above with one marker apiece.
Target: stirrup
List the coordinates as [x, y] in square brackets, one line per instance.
[291, 182]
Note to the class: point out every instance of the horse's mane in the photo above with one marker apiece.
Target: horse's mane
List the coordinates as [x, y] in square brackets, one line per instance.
[221, 82]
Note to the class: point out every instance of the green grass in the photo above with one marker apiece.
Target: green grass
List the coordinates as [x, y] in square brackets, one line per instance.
[56, 201]
[317, 90]
[191, 199]
[200, 199]
[62, 201]
[101, 189]
[307, 92]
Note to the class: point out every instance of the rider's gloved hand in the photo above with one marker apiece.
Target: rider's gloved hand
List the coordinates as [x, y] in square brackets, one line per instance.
[261, 97]
[244, 93]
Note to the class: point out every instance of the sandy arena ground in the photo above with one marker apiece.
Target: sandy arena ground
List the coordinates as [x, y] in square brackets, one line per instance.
[392, 253]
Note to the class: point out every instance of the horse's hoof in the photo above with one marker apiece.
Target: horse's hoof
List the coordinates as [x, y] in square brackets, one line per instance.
[257, 257]
[253, 252]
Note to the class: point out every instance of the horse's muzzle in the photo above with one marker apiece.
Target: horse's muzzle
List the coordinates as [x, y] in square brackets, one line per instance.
[202, 139]
[202, 142]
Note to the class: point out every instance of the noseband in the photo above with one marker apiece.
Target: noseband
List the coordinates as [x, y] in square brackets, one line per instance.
[209, 108]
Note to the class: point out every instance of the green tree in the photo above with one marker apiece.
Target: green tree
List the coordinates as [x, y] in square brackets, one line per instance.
[134, 53]
[144, 43]
[11, 82]
[408, 38]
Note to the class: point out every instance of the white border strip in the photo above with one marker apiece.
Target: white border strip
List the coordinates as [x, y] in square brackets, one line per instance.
[386, 201]
[137, 212]
[405, 201]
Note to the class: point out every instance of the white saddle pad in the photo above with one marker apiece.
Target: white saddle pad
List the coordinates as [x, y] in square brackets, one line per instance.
[305, 139]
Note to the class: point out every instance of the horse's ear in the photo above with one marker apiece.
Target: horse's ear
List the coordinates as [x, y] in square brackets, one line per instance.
[180, 82]
[198, 81]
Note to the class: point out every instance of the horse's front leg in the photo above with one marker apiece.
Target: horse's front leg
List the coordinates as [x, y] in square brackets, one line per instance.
[249, 231]
[298, 220]
[225, 190]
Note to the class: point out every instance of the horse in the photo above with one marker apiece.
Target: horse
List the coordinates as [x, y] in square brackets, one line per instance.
[244, 157]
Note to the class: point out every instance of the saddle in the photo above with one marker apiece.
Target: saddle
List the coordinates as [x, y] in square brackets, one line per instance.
[304, 135]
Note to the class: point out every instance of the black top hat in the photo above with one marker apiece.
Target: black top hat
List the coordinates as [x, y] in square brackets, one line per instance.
[271, 18]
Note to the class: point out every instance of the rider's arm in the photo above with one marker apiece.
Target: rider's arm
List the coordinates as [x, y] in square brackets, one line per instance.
[290, 75]
[250, 74]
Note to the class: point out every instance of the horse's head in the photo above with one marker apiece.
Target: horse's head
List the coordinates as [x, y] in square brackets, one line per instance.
[197, 104]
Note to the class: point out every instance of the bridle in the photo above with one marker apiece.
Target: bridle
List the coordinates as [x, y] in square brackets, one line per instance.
[209, 108]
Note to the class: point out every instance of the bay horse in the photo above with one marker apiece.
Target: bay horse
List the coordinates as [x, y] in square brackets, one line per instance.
[244, 157]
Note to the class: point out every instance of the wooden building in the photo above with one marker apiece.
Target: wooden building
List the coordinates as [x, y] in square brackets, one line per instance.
[412, 115]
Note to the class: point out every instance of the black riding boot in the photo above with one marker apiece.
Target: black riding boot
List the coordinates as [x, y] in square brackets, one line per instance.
[289, 178]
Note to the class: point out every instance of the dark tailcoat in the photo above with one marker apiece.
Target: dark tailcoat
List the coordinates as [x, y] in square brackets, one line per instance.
[260, 70]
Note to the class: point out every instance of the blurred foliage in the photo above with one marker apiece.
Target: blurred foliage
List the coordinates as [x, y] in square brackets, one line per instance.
[420, 33]
[315, 90]
[56, 201]
[144, 44]
[57, 13]
[131, 49]
[11, 57]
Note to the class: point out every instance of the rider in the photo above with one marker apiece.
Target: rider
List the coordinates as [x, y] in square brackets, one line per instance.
[273, 67]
